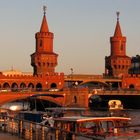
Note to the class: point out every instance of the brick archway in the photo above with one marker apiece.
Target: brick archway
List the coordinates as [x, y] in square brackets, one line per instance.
[6, 98]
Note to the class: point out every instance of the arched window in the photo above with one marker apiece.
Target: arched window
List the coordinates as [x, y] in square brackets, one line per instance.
[40, 43]
[121, 47]
[75, 99]
[131, 86]
[31, 86]
[6, 86]
[22, 86]
[14, 87]
[39, 87]
[53, 85]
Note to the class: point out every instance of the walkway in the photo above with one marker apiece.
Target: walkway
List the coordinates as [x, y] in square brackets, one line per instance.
[6, 136]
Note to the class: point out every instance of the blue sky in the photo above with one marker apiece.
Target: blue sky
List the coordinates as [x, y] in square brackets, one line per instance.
[82, 29]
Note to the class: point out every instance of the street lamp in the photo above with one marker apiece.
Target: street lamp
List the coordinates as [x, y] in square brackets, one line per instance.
[71, 75]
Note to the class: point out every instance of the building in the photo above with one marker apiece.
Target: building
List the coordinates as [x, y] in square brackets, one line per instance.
[135, 65]
[117, 63]
[43, 60]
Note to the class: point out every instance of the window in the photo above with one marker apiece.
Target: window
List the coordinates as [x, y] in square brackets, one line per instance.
[40, 43]
[121, 47]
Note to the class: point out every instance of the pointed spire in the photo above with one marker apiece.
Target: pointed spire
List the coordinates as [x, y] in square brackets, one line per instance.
[118, 32]
[44, 25]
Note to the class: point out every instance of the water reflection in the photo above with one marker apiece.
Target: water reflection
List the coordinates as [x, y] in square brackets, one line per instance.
[16, 106]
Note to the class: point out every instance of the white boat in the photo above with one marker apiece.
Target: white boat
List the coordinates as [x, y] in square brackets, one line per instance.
[115, 105]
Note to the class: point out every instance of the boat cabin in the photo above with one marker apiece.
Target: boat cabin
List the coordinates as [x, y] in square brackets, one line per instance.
[115, 105]
[92, 125]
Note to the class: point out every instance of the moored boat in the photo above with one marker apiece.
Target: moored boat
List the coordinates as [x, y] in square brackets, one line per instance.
[115, 105]
[96, 127]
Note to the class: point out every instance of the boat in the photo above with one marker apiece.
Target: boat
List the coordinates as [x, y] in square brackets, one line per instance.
[115, 105]
[99, 128]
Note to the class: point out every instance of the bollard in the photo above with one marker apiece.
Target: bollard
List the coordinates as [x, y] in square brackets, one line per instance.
[5, 124]
[20, 128]
[31, 131]
[43, 136]
[27, 135]
[73, 137]
[56, 134]
[64, 136]
[12, 126]
[36, 133]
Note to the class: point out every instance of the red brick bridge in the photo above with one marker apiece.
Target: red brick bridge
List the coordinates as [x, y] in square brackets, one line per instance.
[68, 97]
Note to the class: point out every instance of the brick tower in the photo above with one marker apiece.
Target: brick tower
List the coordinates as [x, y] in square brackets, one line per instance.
[117, 64]
[44, 60]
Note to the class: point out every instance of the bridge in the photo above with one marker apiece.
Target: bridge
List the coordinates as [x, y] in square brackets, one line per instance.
[82, 79]
[57, 98]
[67, 97]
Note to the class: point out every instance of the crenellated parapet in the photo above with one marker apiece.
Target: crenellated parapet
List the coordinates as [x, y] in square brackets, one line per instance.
[44, 34]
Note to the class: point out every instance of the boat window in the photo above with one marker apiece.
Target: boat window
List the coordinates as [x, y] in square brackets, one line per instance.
[122, 125]
[88, 126]
[107, 126]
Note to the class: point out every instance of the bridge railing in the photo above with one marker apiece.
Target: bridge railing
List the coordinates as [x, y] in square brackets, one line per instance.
[119, 91]
[28, 90]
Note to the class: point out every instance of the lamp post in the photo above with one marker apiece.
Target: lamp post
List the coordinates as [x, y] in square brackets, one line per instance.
[71, 75]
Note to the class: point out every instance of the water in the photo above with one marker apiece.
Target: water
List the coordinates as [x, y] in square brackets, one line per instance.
[134, 115]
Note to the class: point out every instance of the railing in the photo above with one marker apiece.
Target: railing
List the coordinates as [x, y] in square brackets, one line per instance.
[28, 90]
[34, 131]
[118, 92]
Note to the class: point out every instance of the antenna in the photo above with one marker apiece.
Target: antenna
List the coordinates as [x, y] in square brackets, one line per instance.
[44, 9]
[118, 13]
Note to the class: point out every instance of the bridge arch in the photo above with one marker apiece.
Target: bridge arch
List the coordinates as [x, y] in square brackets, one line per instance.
[94, 84]
[18, 97]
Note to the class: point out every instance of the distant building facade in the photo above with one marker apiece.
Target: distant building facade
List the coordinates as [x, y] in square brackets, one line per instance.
[43, 60]
[135, 65]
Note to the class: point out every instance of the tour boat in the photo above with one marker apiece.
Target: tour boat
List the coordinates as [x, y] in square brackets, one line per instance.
[86, 128]
[115, 105]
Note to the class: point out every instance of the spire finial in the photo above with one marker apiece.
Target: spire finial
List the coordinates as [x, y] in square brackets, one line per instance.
[118, 13]
[44, 9]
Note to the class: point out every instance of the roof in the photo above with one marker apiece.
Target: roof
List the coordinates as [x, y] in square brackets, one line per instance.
[84, 119]
[118, 32]
[44, 25]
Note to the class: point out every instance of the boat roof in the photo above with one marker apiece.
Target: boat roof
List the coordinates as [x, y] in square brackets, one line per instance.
[84, 119]
[65, 108]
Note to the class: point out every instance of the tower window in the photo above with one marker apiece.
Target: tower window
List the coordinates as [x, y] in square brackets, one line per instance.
[121, 47]
[39, 64]
[40, 43]
[115, 66]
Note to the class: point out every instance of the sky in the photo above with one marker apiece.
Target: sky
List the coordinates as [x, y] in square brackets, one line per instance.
[82, 31]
